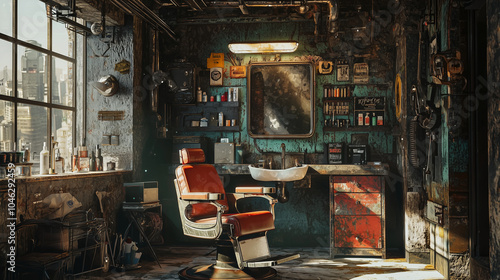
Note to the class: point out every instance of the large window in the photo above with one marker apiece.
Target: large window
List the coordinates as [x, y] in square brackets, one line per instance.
[38, 58]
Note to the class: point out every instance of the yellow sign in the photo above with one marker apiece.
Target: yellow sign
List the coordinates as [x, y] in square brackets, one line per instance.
[215, 60]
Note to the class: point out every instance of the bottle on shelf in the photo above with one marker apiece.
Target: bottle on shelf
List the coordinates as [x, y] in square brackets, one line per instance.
[76, 164]
[374, 120]
[98, 159]
[380, 120]
[367, 119]
[92, 162]
[199, 95]
[83, 159]
[44, 160]
[221, 119]
[59, 164]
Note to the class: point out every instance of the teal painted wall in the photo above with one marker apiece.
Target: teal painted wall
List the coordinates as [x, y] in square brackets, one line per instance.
[304, 220]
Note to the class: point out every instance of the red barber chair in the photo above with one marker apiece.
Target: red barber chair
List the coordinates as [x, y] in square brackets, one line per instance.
[208, 212]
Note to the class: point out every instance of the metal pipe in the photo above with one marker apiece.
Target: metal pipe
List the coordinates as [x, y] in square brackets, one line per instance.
[332, 7]
[142, 11]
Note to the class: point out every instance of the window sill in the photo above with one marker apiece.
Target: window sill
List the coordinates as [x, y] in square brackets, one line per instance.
[66, 176]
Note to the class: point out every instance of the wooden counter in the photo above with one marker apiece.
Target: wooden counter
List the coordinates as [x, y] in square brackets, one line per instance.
[314, 169]
[65, 176]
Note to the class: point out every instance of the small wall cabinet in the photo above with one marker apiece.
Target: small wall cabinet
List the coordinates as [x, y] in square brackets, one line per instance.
[343, 110]
[188, 116]
[357, 216]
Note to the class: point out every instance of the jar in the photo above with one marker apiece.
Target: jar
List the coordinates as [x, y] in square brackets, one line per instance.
[203, 122]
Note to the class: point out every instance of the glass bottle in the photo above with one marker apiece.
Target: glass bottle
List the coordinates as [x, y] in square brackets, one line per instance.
[92, 162]
[98, 159]
[59, 162]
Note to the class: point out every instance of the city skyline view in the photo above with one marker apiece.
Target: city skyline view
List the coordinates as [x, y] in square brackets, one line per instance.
[33, 82]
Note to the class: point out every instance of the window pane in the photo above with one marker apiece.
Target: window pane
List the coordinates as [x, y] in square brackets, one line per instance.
[32, 22]
[62, 82]
[5, 68]
[6, 126]
[31, 74]
[6, 17]
[62, 123]
[62, 39]
[32, 131]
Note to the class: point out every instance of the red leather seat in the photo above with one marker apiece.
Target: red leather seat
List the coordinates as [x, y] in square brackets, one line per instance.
[194, 176]
[245, 223]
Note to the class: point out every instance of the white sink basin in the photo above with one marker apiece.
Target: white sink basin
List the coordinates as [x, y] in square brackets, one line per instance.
[279, 175]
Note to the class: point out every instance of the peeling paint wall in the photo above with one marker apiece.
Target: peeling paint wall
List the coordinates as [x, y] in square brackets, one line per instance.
[441, 175]
[493, 51]
[416, 233]
[304, 220]
[101, 60]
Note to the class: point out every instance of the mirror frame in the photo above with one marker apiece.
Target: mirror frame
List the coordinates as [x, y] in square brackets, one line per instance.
[312, 115]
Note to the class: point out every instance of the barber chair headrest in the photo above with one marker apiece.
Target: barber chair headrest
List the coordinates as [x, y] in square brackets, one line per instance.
[192, 156]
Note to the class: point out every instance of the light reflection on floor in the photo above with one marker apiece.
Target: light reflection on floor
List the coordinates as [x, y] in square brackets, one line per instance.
[314, 264]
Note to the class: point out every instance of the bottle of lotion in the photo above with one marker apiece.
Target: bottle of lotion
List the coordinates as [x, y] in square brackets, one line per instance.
[44, 160]
[199, 95]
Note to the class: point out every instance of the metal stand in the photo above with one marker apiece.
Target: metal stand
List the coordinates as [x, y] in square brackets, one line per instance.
[132, 208]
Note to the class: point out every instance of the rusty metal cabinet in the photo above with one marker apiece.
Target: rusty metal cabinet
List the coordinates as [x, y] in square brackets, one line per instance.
[357, 216]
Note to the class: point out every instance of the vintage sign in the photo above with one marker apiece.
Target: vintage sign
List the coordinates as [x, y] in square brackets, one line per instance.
[360, 73]
[342, 71]
[369, 103]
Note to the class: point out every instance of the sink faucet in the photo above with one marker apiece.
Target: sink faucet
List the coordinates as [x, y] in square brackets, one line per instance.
[282, 155]
[281, 191]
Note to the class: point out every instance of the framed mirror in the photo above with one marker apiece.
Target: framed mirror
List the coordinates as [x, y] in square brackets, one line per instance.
[281, 100]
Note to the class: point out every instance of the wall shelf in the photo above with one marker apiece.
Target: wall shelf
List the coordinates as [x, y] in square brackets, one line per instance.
[359, 128]
[210, 104]
[235, 128]
[187, 114]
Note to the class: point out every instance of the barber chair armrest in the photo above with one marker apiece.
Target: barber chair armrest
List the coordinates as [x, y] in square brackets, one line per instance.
[243, 192]
[202, 196]
[255, 190]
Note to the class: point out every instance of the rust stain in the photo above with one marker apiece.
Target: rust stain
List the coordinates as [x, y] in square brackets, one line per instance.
[357, 231]
[356, 183]
[357, 204]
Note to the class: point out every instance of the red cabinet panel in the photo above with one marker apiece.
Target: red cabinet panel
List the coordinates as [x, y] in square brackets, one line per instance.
[357, 204]
[356, 183]
[357, 215]
[358, 232]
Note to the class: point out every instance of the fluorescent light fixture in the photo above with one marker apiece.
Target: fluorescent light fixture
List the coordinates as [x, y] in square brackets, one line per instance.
[263, 47]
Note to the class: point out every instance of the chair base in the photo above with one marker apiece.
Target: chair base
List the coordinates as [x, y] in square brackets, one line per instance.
[214, 272]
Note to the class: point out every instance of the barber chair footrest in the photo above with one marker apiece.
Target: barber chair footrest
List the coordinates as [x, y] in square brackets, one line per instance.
[272, 261]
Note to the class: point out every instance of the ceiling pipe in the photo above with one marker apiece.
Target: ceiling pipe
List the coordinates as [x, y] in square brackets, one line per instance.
[243, 7]
[197, 5]
[333, 9]
[139, 9]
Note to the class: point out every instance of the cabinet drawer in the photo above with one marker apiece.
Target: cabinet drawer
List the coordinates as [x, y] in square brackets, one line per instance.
[358, 232]
[356, 183]
[357, 204]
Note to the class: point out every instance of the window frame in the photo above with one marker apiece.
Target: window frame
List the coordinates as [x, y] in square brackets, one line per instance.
[50, 54]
